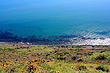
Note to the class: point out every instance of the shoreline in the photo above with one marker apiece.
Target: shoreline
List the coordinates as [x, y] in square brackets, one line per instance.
[68, 40]
[21, 44]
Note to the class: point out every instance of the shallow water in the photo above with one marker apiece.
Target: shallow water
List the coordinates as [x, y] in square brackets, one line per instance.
[44, 19]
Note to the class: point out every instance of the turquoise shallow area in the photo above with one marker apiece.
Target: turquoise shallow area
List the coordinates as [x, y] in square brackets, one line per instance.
[46, 18]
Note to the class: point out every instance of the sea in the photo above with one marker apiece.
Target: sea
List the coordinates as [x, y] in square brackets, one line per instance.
[70, 22]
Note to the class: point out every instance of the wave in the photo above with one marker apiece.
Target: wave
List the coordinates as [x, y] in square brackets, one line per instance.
[98, 41]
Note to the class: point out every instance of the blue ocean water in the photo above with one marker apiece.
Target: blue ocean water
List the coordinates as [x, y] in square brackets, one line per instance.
[46, 18]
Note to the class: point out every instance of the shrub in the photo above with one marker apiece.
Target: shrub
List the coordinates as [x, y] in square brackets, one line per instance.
[29, 50]
[82, 67]
[44, 47]
[65, 52]
[78, 50]
[100, 57]
[30, 68]
[56, 50]
[102, 68]
[80, 60]
[38, 54]
[61, 57]
[90, 53]
[74, 57]
[102, 51]
[79, 53]
[10, 49]
[47, 54]
[12, 70]
[17, 48]
[61, 54]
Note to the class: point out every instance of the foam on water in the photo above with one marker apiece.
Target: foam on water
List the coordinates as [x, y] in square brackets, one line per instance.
[105, 41]
[91, 40]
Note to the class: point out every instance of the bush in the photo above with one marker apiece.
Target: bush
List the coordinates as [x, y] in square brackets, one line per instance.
[82, 67]
[47, 54]
[61, 57]
[90, 53]
[80, 60]
[10, 49]
[100, 57]
[65, 52]
[74, 57]
[78, 50]
[30, 68]
[102, 51]
[17, 48]
[79, 53]
[61, 54]
[44, 47]
[102, 68]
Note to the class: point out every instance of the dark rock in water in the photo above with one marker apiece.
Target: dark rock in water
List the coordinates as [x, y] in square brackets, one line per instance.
[6, 36]
[102, 38]
[10, 30]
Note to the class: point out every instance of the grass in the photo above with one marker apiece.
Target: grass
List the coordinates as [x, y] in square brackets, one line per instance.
[43, 59]
[93, 57]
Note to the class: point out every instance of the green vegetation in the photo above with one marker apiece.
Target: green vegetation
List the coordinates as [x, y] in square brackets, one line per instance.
[43, 59]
